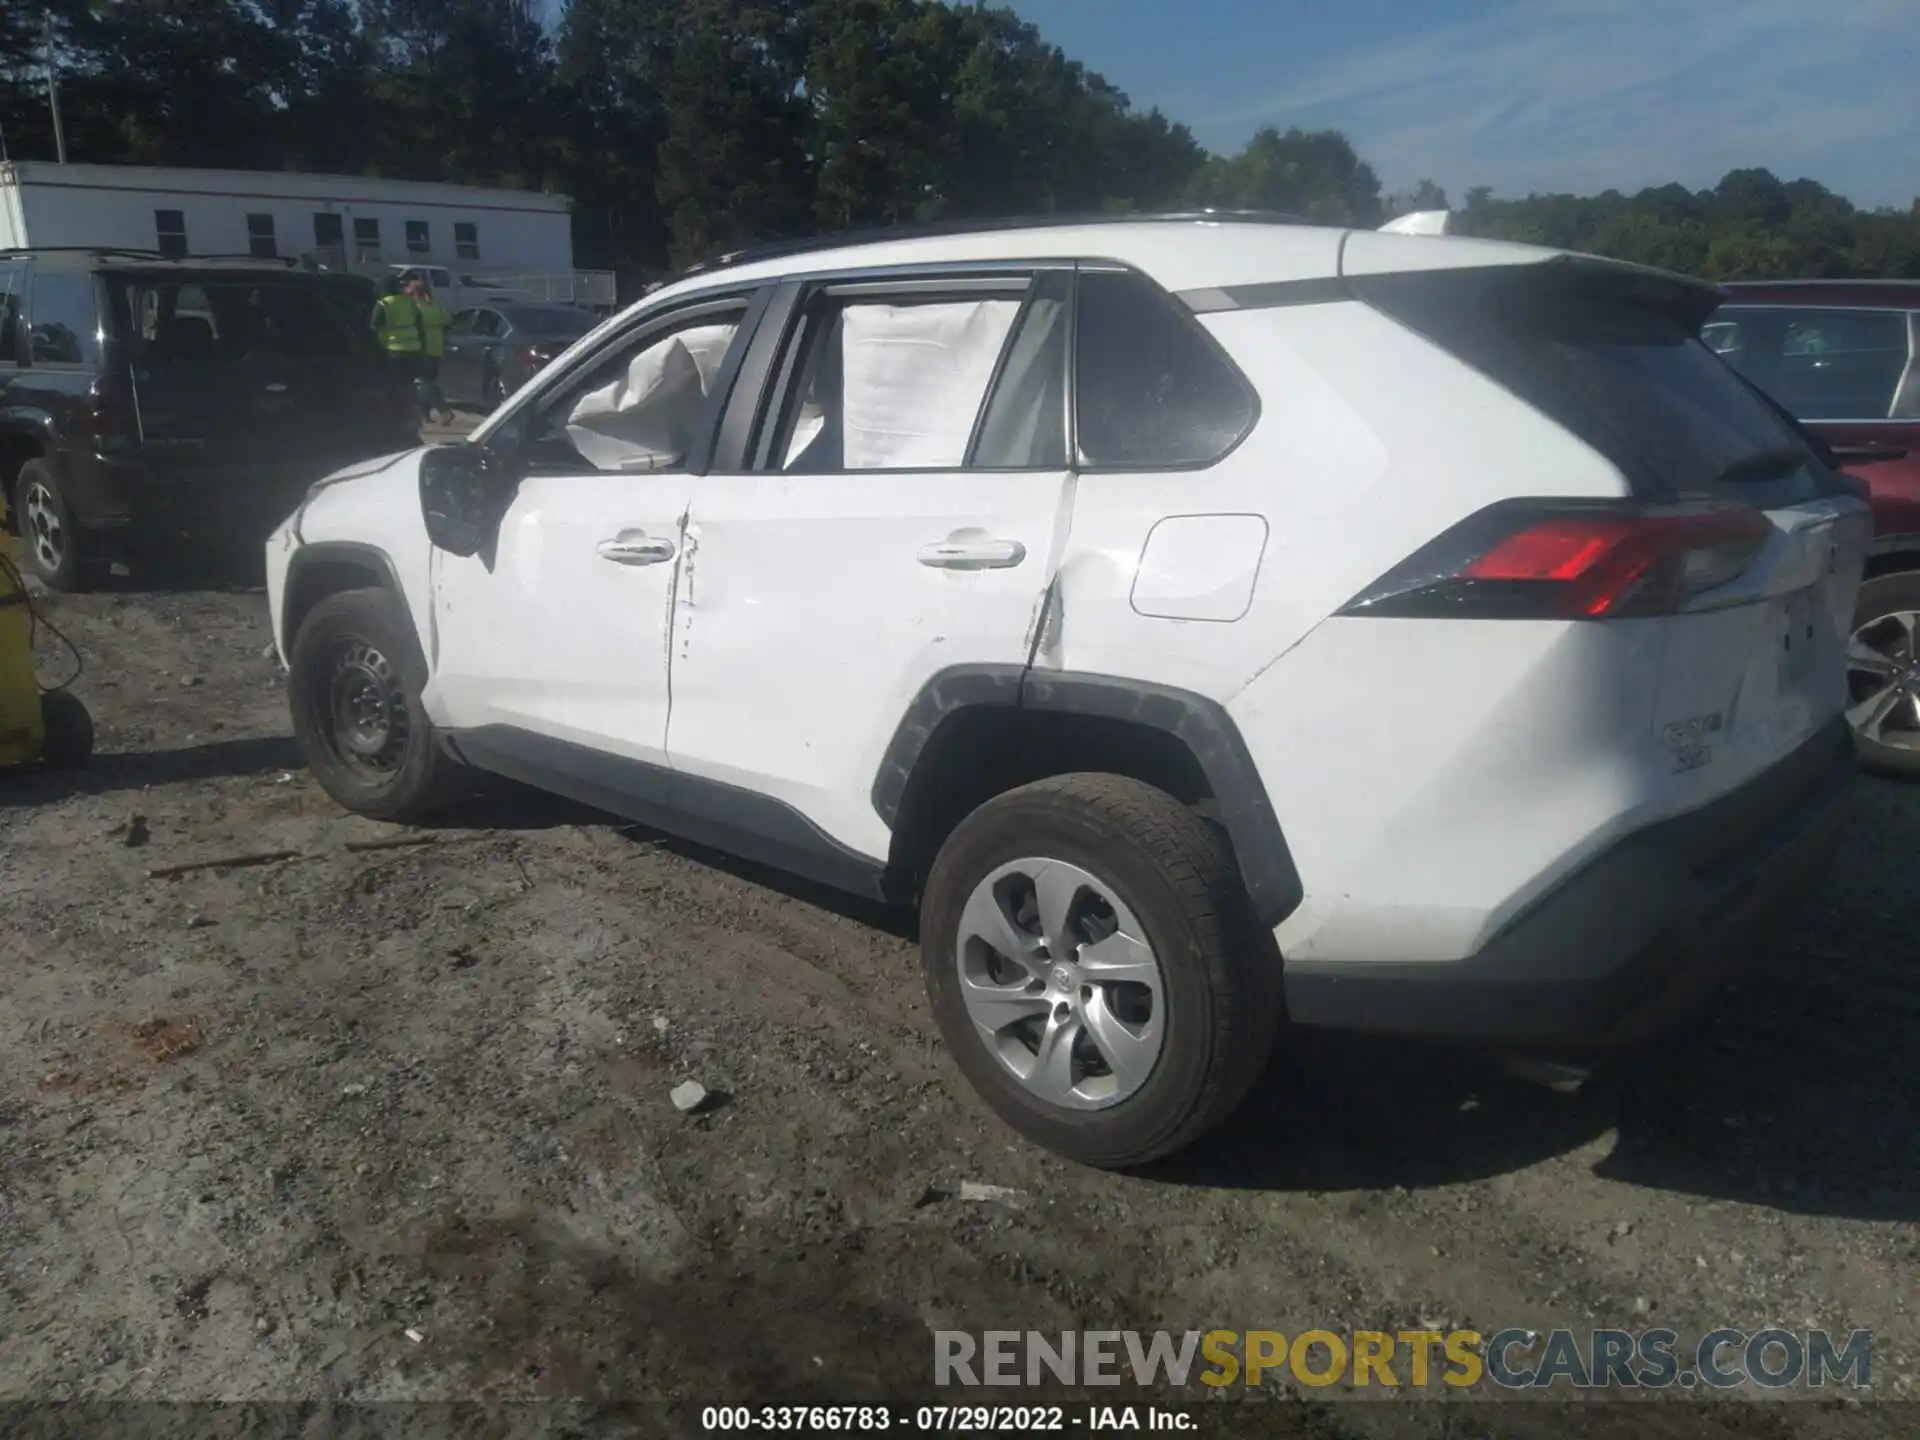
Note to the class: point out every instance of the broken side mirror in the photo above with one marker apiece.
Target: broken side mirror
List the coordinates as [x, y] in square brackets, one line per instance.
[464, 491]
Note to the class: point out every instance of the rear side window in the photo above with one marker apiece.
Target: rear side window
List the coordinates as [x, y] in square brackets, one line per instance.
[207, 322]
[60, 320]
[888, 384]
[1617, 360]
[10, 278]
[1152, 389]
[1821, 363]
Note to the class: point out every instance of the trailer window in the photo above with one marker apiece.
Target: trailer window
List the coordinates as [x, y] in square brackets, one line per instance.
[466, 239]
[170, 226]
[260, 240]
[418, 240]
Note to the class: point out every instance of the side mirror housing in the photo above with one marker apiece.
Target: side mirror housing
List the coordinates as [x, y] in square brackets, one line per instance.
[463, 493]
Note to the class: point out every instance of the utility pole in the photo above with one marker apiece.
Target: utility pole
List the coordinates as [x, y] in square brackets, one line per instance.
[53, 91]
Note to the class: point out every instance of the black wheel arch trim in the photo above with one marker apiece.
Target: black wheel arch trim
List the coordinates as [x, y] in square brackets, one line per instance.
[1266, 863]
[339, 552]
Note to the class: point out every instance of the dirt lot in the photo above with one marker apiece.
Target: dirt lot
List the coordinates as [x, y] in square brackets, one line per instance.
[258, 1124]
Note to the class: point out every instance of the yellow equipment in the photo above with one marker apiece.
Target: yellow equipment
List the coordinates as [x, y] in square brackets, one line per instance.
[53, 727]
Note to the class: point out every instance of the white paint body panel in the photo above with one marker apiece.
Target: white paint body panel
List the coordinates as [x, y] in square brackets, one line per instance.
[806, 623]
[554, 638]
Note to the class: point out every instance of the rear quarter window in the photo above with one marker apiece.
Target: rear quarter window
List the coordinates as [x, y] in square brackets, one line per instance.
[1152, 389]
[1821, 362]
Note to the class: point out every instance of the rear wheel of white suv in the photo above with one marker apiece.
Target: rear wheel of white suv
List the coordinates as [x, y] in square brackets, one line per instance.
[1094, 970]
[355, 679]
[1883, 674]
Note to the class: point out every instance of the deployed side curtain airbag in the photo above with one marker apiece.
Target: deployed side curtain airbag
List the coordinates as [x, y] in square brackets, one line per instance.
[644, 418]
[914, 379]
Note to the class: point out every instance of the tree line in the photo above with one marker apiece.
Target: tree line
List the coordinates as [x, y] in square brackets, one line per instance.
[686, 127]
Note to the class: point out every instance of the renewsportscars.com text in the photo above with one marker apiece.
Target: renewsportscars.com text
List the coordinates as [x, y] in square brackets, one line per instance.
[1513, 1359]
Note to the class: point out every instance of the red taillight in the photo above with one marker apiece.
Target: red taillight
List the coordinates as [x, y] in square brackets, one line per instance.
[1537, 561]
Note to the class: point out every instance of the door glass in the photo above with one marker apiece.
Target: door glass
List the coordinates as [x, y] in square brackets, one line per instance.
[639, 409]
[9, 314]
[1025, 426]
[60, 319]
[885, 386]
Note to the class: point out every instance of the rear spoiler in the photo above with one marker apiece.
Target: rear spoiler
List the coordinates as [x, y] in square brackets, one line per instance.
[1421, 222]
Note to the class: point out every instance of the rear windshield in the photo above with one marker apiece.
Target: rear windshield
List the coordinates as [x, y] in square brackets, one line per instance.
[1618, 361]
[169, 322]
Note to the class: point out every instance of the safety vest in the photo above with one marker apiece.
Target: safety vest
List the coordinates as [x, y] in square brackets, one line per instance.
[399, 325]
[434, 320]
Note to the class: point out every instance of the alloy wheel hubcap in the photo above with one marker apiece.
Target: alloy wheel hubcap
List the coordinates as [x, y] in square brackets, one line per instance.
[367, 707]
[45, 533]
[1061, 983]
[1883, 680]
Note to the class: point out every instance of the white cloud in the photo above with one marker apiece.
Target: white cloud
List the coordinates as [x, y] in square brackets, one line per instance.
[1582, 95]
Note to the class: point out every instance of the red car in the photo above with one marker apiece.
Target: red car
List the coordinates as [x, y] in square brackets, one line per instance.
[1840, 354]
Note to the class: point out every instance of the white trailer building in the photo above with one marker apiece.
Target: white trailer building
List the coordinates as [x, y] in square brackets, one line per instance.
[499, 241]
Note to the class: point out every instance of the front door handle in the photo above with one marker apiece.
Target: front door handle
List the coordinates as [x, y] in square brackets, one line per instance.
[635, 547]
[969, 554]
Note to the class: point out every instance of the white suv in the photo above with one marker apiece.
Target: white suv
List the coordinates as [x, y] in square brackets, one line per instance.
[1208, 623]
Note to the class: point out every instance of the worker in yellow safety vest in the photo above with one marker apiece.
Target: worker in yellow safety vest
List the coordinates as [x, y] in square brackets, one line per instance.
[396, 324]
[434, 320]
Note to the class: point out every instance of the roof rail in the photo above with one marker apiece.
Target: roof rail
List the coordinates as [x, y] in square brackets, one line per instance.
[880, 235]
[82, 250]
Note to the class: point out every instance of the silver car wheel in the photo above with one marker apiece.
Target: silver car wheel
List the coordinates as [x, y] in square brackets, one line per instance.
[1883, 680]
[1061, 983]
[44, 532]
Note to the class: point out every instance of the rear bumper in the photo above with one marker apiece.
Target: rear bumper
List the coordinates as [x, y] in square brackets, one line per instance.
[1627, 945]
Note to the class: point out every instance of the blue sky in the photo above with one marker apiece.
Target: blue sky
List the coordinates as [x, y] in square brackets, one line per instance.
[1528, 95]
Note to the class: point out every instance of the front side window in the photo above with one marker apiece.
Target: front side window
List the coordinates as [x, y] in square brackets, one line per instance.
[1822, 364]
[227, 322]
[60, 319]
[170, 230]
[888, 385]
[640, 408]
[1152, 390]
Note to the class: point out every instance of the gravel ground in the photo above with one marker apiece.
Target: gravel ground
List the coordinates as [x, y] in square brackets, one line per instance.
[258, 1124]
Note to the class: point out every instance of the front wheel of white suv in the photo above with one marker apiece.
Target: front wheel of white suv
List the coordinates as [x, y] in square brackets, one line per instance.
[354, 686]
[1094, 968]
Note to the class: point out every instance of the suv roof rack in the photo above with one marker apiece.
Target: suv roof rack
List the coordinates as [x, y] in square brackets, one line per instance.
[880, 235]
[125, 252]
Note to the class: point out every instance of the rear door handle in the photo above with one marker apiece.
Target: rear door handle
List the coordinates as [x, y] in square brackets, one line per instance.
[973, 554]
[635, 547]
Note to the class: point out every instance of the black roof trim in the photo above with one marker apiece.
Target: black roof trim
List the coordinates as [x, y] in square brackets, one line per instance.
[1890, 282]
[849, 239]
[148, 257]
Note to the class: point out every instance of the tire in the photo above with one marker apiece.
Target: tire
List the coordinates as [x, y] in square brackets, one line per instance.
[357, 651]
[50, 546]
[1218, 1008]
[68, 742]
[1892, 745]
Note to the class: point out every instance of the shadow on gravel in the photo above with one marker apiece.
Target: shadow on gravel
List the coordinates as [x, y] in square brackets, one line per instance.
[1800, 1091]
[132, 770]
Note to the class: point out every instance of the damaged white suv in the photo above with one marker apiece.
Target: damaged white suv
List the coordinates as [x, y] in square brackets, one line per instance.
[1208, 623]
